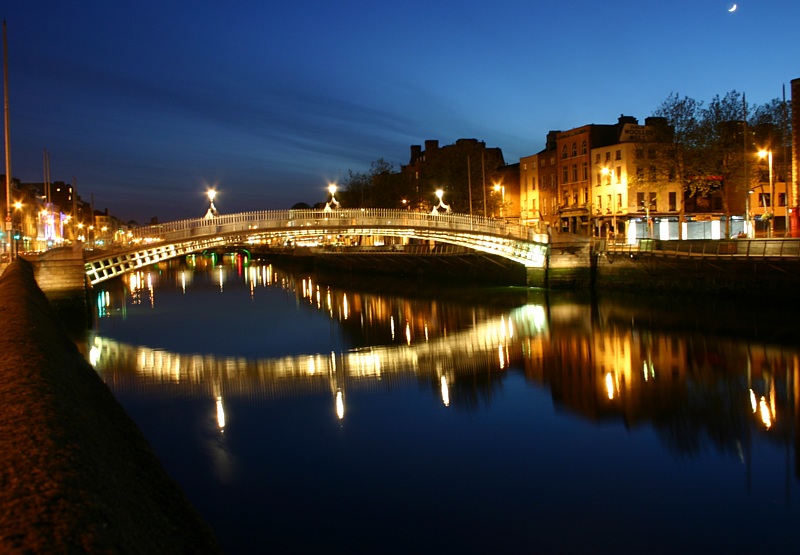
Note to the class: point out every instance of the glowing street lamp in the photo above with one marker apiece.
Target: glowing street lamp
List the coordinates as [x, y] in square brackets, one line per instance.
[439, 195]
[768, 154]
[333, 203]
[212, 210]
[498, 188]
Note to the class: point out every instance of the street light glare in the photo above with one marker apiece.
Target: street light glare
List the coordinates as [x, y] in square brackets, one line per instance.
[212, 194]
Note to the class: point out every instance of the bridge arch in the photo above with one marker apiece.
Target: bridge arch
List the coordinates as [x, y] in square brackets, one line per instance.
[149, 244]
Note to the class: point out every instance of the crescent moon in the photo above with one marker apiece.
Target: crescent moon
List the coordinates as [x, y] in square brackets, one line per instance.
[732, 8]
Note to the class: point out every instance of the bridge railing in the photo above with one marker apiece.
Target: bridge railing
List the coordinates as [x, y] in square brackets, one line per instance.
[711, 248]
[250, 222]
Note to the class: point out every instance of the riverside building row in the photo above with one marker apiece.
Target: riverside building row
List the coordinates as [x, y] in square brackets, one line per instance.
[611, 181]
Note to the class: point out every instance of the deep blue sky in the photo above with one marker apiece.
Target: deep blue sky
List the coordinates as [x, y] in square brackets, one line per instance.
[147, 103]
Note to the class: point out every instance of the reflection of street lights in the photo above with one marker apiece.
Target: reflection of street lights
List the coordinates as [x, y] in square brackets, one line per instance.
[748, 223]
[498, 188]
[333, 203]
[212, 210]
[768, 154]
[439, 195]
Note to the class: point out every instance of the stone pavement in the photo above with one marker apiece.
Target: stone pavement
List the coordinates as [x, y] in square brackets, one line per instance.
[76, 474]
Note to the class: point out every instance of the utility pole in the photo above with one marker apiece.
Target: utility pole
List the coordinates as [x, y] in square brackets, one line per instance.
[8, 225]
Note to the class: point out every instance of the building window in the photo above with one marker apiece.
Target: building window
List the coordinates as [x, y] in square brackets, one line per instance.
[619, 201]
[608, 156]
[599, 202]
[608, 205]
[618, 155]
[619, 174]
[781, 199]
[566, 174]
[639, 153]
[597, 158]
[653, 202]
[599, 178]
[640, 202]
[585, 171]
[574, 172]
[574, 149]
[583, 147]
[673, 202]
[564, 152]
[585, 195]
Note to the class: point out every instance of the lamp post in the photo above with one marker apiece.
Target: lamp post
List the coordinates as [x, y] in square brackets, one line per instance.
[212, 210]
[768, 154]
[439, 195]
[333, 203]
[498, 188]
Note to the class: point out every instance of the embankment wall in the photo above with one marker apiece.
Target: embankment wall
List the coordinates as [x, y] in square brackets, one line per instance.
[76, 474]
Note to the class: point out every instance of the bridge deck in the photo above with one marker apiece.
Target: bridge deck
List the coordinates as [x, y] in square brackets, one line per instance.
[150, 244]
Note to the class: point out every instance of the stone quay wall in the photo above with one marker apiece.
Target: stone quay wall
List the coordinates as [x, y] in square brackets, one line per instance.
[580, 264]
[76, 474]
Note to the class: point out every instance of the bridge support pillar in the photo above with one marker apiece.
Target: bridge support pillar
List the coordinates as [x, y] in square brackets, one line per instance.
[536, 277]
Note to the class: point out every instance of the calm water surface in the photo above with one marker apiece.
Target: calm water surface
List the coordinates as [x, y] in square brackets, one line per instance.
[304, 415]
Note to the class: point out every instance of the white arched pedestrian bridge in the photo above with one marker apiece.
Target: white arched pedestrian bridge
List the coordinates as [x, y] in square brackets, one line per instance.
[149, 244]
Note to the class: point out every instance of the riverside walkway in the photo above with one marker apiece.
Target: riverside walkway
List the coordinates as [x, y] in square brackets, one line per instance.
[149, 244]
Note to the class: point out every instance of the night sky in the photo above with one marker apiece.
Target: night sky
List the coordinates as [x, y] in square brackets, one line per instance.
[147, 104]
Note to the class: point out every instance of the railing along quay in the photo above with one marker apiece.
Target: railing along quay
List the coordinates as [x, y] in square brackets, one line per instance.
[740, 249]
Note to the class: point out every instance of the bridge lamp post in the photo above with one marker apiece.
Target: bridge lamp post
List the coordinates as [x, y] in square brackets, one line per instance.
[768, 154]
[212, 210]
[333, 203]
[439, 195]
[498, 188]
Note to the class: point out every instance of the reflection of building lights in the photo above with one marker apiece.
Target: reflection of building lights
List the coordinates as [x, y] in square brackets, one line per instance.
[502, 357]
[445, 392]
[408, 334]
[610, 385]
[391, 325]
[753, 403]
[339, 404]
[766, 416]
[220, 415]
[345, 308]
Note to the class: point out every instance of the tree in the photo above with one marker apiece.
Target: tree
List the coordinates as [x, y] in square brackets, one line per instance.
[711, 146]
[722, 143]
[680, 159]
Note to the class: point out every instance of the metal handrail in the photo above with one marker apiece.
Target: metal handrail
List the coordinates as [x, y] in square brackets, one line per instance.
[272, 219]
[710, 248]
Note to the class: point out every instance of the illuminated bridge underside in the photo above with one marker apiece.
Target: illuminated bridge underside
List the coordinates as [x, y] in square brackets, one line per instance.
[163, 242]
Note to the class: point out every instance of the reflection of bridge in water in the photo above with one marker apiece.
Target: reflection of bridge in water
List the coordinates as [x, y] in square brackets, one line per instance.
[149, 244]
[488, 347]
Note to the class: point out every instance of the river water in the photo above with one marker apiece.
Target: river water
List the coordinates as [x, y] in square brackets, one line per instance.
[324, 414]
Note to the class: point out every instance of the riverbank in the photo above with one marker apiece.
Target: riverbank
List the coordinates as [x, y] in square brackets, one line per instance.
[76, 474]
